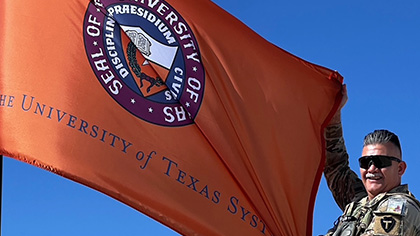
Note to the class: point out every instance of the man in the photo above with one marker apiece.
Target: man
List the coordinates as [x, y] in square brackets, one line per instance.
[377, 204]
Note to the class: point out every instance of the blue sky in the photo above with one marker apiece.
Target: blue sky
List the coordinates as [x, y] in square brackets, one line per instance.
[374, 44]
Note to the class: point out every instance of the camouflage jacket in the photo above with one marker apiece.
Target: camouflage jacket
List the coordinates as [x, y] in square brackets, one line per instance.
[394, 213]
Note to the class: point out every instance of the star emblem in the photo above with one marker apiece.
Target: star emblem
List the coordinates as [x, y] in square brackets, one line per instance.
[133, 101]
[150, 110]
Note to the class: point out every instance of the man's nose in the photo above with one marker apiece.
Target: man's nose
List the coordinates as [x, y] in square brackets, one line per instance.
[371, 166]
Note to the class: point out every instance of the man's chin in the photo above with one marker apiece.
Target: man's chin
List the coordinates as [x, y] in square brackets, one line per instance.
[374, 188]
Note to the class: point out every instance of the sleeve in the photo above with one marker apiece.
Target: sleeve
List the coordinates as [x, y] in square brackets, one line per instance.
[343, 183]
[398, 215]
[411, 220]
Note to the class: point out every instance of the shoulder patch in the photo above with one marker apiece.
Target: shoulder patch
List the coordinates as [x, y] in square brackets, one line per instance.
[396, 205]
[387, 225]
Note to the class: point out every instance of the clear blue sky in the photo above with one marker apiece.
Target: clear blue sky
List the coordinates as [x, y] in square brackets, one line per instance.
[374, 44]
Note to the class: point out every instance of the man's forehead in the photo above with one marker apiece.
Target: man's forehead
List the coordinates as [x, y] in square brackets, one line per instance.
[387, 149]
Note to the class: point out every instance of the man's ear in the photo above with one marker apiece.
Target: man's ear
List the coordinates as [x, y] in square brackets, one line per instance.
[402, 166]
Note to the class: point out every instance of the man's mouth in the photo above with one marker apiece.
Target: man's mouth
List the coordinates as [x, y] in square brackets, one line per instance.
[373, 176]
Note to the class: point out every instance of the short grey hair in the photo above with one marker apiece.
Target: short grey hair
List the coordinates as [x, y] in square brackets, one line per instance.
[382, 136]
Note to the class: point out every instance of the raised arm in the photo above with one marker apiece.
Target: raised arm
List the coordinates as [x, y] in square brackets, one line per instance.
[344, 183]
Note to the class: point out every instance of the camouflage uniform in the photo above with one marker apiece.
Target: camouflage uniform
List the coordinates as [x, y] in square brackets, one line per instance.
[394, 213]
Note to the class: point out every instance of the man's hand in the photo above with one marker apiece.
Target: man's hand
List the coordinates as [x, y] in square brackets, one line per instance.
[337, 116]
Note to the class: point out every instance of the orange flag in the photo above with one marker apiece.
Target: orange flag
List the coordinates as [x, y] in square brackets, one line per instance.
[173, 107]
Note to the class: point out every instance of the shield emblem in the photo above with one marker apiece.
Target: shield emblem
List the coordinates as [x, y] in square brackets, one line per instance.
[149, 60]
[388, 223]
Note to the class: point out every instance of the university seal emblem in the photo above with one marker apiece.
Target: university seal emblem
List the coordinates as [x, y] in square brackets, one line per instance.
[146, 57]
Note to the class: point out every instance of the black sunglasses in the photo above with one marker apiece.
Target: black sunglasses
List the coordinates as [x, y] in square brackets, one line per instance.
[379, 161]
